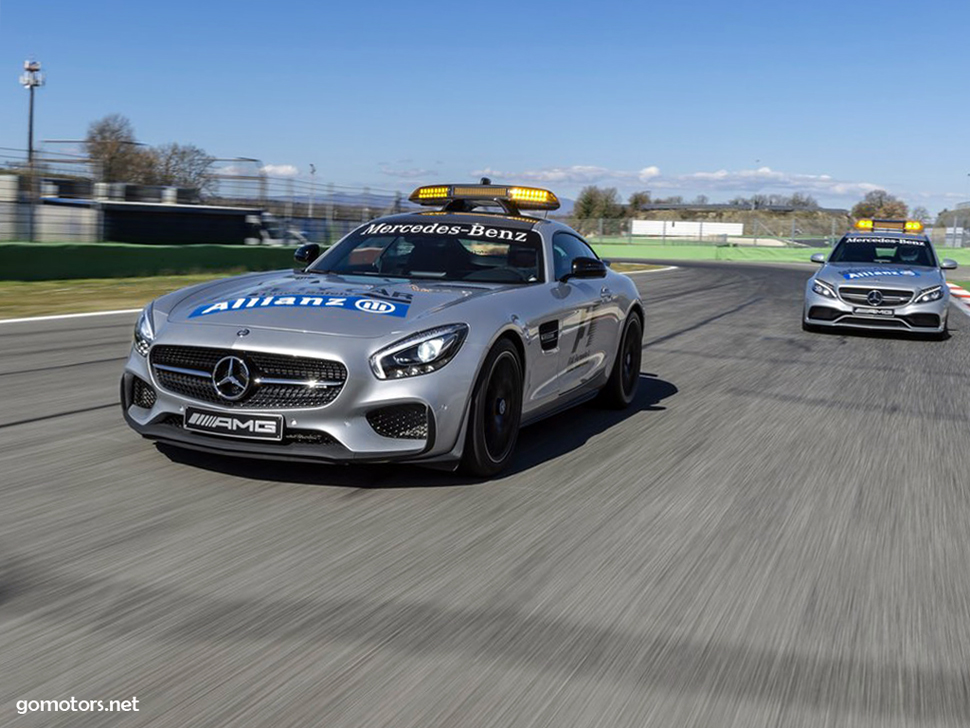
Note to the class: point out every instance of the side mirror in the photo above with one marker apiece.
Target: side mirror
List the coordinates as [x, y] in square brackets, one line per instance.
[818, 258]
[306, 254]
[586, 268]
[948, 264]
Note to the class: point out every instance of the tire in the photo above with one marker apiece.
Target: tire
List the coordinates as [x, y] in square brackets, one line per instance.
[621, 388]
[495, 413]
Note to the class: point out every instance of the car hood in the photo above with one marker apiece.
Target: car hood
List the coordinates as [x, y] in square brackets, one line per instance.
[328, 304]
[910, 277]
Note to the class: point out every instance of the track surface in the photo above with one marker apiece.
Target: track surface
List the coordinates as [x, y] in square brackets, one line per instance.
[777, 534]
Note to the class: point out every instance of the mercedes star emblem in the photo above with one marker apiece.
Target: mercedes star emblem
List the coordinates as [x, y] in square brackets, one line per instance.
[231, 378]
[874, 298]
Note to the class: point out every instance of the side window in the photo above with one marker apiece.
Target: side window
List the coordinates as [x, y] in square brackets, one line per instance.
[565, 249]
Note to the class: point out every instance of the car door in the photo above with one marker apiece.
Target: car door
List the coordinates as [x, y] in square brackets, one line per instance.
[588, 323]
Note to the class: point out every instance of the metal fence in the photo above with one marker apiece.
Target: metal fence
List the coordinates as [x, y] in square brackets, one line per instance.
[59, 198]
[795, 230]
[809, 228]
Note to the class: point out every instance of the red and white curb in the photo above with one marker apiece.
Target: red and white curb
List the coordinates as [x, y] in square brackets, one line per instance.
[962, 295]
[959, 293]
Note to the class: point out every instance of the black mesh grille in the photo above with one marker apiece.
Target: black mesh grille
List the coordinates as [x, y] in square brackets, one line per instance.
[882, 323]
[823, 313]
[400, 421]
[924, 320]
[142, 395]
[265, 396]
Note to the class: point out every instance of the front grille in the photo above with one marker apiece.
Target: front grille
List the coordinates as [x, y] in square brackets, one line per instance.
[142, 395]
[400, 421]
[276, 395]
[885, 323]
[890, 296]
[294, 436]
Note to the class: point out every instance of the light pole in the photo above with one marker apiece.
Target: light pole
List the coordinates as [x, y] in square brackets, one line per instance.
[31, 79]
[313, 177]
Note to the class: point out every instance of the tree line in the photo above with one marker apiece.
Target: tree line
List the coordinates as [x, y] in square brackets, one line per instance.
[111, 143]
[595, 202]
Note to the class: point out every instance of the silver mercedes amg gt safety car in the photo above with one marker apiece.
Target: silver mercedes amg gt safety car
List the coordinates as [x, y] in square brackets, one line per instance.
[428, 337]
[883, 276]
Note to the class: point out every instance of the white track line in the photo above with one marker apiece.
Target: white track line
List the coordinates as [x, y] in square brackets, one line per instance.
[68, 316]
[653, 270]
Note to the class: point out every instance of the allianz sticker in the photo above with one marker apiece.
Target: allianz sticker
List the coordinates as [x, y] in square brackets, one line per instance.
[364, 304]
[851, 275]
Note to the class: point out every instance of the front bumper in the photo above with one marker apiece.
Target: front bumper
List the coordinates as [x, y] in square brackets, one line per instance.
[361, 424]
[919, 317]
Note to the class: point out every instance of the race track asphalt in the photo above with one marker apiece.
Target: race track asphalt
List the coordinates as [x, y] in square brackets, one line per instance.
[776, 534]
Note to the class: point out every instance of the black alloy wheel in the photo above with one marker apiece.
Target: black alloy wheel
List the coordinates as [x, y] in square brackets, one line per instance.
[495, 412]
[621, 388]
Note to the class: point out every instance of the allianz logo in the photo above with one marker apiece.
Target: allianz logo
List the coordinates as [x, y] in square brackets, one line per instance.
[373, 306]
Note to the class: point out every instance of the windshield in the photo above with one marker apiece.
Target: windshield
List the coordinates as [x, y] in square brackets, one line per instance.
[445, 251]
[882, 250]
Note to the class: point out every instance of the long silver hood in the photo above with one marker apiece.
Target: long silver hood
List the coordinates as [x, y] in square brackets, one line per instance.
[909, 277]
[356, 306]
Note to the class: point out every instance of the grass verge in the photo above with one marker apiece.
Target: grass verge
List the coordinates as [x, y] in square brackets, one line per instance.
[39, 298]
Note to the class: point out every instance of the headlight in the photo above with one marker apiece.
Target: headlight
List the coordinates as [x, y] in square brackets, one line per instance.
[144, 331]
[422, 353]
[823, 289]
[930, 294]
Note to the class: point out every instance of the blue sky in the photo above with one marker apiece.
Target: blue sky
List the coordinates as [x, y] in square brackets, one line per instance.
[714, 98]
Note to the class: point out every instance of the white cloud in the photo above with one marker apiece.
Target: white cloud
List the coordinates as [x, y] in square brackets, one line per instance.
[280, 170]
[408, 172]
[577, 174]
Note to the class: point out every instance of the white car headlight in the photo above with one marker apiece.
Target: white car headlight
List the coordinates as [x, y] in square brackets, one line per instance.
[930, 295]
[144, 331]
[421, 353]
[823, 289]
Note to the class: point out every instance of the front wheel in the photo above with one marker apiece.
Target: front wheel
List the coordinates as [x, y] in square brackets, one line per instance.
[622, 385]
[495, 413]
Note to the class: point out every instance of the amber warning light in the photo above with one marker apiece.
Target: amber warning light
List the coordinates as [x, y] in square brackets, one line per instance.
[524, 198]
[908, 226]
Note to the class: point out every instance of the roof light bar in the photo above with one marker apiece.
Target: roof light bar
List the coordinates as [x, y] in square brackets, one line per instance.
[909, 226]
[523, 198]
